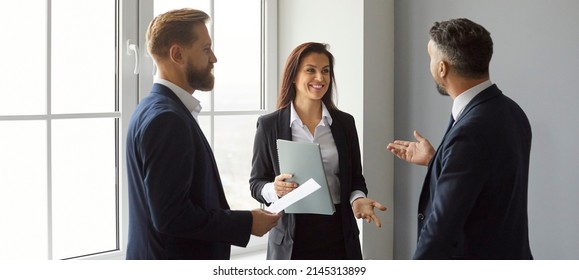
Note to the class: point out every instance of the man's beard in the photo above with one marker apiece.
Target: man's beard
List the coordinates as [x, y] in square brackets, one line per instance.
[441, 89]
[200, 80]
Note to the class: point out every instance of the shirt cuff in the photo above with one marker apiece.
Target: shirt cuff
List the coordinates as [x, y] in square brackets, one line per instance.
[355, 195]
[268, 193]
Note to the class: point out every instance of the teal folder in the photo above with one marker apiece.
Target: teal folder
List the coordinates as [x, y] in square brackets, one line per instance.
[304, 161]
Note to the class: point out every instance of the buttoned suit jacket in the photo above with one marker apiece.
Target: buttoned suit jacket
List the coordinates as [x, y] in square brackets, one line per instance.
[473, 203]
[177, 207]
[265, 166]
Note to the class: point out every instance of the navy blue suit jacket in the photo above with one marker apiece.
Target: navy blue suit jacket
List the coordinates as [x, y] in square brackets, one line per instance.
[177, 207]
[473, 203]
[265, 166]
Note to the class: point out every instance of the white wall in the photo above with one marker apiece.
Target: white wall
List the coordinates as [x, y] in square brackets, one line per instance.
[338, 23]
[360, 35]
[379, 122]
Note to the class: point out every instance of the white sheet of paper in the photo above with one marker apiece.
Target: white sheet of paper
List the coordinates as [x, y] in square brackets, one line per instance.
[294, 196]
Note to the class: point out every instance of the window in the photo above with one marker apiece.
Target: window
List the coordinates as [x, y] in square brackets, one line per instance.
[59, 117]
[71, 80]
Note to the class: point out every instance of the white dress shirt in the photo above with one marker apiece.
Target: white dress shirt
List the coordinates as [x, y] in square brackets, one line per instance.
[323, 136]
[464, 98]
[192, 104]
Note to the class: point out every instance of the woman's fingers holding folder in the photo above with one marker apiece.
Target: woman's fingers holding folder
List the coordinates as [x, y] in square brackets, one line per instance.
[283, 187]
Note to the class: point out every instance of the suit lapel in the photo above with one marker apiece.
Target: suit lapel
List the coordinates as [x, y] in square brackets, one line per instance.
[340, 134]
[165, 91]
[483, 96]
[283, 124]
[489, 93]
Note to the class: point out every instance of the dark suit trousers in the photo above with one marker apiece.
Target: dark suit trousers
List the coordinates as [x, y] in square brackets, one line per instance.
[319, 237]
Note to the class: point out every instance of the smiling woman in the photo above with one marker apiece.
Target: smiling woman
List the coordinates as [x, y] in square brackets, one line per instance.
[306, 96]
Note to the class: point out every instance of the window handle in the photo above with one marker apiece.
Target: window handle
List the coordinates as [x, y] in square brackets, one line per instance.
[133, 49]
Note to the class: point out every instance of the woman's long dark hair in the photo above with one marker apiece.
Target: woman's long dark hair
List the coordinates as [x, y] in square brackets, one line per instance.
[287, 92]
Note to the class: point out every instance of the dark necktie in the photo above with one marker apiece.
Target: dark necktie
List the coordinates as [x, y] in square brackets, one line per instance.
[450, 123]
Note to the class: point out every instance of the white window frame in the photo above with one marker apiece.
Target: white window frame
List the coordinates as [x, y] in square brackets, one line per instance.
[130, 64]
[270, 92]
[135, 69]
[125, 103]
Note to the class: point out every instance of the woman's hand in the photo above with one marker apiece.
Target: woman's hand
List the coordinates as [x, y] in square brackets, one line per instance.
[282, 187]
[364, 209]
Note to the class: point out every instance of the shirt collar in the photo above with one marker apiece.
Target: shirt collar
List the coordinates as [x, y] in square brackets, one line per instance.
[464, 98]
[295, 118]
[192, 104]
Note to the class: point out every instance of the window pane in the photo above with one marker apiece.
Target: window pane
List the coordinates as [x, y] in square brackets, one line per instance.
[162, 6]
[205, 124]
[233, 151]
[205, 98]
[237, 41]
[23, 190]
[84, 187]
[83, 56]
[23, 70]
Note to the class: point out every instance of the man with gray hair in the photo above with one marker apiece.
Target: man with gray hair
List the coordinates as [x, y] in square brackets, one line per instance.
[473, 203]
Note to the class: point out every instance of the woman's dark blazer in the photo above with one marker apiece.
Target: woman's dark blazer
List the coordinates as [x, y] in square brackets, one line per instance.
[265, 167]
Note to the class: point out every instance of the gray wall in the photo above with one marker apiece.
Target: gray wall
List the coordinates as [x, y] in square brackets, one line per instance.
[536, 62]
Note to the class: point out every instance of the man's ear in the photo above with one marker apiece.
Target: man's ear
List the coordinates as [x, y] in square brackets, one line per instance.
[443, 68]
[176, 54]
